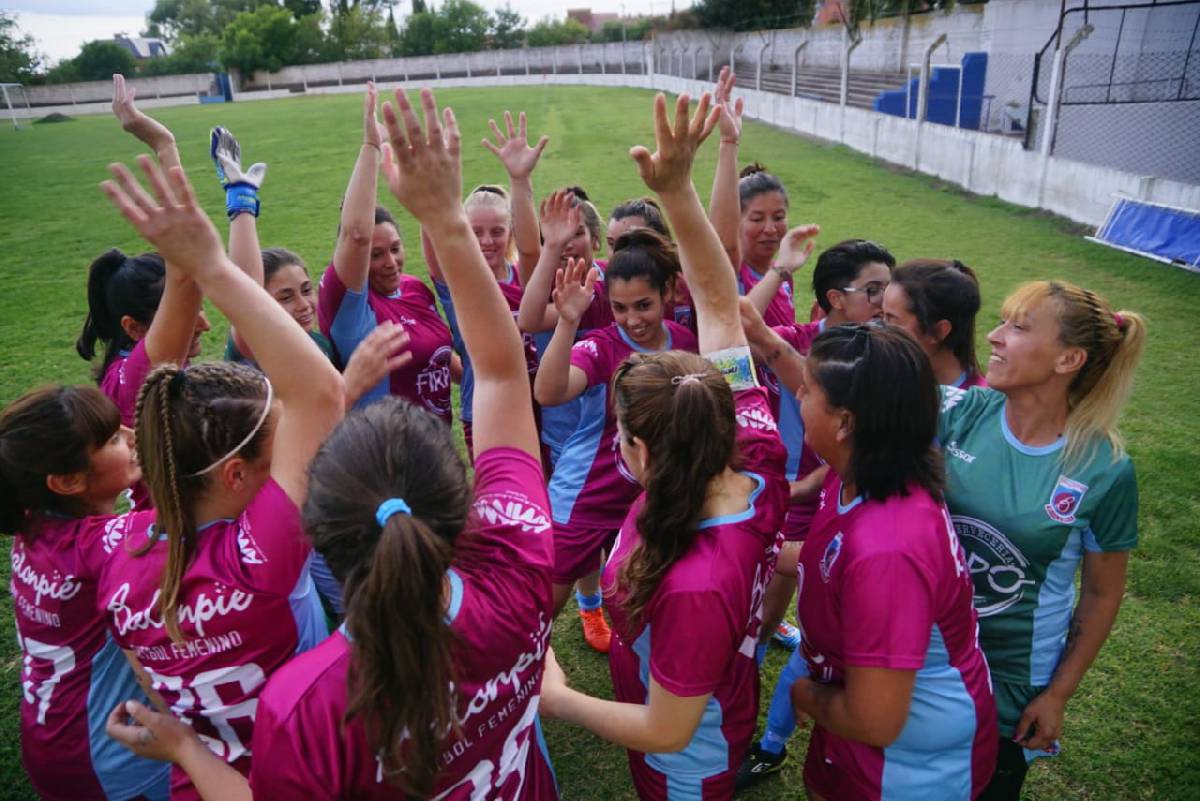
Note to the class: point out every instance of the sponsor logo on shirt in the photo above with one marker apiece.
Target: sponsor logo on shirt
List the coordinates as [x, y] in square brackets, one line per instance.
[998, 569]
[251, 553]
[114, 532]
[200, 611]
[512, 510]
[758, 419]
[959, 453]
[433, 382]
[1065, 500]
[56, 586]
[588, 345]
[951, 397]
[832, 551]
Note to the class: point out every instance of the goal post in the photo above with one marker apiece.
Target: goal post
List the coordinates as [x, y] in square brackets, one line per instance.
[8, 91]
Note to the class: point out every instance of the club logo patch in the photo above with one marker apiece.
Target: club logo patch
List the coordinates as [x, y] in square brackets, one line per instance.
[832, 551]
[1065, 500]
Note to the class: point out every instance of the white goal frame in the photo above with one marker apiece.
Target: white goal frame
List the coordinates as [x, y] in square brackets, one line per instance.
[7, 90]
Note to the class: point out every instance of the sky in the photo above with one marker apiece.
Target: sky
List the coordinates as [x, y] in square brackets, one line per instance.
[60, 27]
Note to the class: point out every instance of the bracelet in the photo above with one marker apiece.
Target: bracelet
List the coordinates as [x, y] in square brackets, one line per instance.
[783, 274]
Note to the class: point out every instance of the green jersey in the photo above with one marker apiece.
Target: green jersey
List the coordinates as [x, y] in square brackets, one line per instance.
[1025, 521]
[232, 354]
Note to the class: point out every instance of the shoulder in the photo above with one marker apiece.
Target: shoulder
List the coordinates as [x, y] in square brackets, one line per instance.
[330, 281]
[898, 524]
[414, 288]
[752, 411]
[508, 471]
[960, 405]
[307, 679]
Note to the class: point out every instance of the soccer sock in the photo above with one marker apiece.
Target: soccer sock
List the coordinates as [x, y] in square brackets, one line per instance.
[588, 602]
[760, 654]
[781, 719]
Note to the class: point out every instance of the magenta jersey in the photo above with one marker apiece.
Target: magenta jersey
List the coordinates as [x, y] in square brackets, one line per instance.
[74, 673]
[347, 317]
[122, 382]
[501, 612]
[592, 486]
[885, 584]
[699, 631]
[802, 459]
[781, 310]
[246, 606]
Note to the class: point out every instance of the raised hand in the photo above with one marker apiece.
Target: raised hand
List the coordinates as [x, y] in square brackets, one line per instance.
[373, 133]
[383, 350]
[669, 168]
[172, 220]
[427, 173]
[227, 156]
[512, 148]
[146, 129]
[574, 288]
[731, 110]
[560, 218]
[796, 247]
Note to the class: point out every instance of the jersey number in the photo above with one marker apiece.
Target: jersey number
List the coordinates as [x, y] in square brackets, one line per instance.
[202, 696]
[62, 662]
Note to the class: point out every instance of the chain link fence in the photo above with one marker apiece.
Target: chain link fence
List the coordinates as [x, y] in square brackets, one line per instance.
[1129, 89]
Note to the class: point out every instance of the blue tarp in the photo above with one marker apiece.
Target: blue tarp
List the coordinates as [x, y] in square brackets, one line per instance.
[1158, 231]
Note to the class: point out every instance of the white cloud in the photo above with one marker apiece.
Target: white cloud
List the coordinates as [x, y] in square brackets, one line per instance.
[60, 36]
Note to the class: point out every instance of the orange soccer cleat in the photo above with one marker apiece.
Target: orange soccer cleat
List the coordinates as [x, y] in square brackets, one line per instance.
[595, 629]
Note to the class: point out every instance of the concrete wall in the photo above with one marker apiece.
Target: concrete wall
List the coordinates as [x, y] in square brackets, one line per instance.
[979, 162]
[101, 91]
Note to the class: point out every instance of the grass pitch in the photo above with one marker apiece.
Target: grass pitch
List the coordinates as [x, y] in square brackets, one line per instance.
[1130, 732]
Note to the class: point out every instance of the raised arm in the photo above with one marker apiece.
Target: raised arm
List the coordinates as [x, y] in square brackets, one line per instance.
[425, 175]
[771, 349]
[308, 387]
[724, 205]
[169, 338]
[352, 256]
[558, 381]
[794, 250]
[668, 171]
[147, 129]
[519, 160]
[559, 221]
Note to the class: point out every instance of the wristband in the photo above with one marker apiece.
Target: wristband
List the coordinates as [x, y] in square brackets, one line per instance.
[783, 274]
[241, 198]
[736, 365]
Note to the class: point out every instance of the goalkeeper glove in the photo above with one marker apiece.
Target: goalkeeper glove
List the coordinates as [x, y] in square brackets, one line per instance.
[241, 188]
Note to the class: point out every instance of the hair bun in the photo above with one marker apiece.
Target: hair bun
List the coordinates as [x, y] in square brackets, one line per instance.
[752, 168]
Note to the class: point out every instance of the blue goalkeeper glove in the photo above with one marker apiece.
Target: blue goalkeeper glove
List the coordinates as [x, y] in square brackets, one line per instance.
[241, 187]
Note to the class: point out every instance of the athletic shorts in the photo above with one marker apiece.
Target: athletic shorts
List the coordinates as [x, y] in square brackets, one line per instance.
[1011, 700]
[577, 551]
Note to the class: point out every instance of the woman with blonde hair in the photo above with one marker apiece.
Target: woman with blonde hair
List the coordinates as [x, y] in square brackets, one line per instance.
[1038, 484]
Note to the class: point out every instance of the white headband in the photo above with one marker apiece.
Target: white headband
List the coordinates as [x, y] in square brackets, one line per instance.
[262, 418]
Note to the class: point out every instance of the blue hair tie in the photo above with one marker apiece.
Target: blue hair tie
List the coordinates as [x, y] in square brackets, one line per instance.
[390, 507]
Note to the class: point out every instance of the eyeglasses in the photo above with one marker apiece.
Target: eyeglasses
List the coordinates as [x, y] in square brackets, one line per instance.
[874, 291]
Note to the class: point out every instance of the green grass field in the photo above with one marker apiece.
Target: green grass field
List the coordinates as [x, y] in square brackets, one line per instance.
[1131, 732]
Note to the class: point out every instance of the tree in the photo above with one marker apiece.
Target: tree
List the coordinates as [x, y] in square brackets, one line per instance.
[359, 33]
[199, 53]
[417, 38]
[508, 28]
[744, 15]
[460, 27]
[171, 19]
[97, 61]
[549, 32]
[260, 40]
[302, 8]
[18, 61]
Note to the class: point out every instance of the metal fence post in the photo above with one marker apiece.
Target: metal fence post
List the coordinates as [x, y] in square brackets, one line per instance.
[796, 66]
[923, 98]
[1053, 102]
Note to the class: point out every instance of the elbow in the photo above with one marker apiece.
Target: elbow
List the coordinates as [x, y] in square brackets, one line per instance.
[672, 744]
[356, 234]
[329, 392]
[881, 734]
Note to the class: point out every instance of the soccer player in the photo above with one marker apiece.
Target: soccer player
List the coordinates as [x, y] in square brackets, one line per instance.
[895, 682]
[126, 292]
[496, 216]
[365, 286]
[592, 488]
[210, 590]
[64, 459]
[431, 687]
[694, 553]
[644, 212]
[849, 283]
[936, 302]
[1038, 485]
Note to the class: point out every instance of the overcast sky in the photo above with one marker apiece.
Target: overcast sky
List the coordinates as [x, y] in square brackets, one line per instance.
[61, 26]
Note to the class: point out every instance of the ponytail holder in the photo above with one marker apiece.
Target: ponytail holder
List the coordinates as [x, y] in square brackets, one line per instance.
[1119, 319]
[391, 507]
[690, 378]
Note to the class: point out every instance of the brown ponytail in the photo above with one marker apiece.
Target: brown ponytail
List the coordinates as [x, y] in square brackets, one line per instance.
[186, 420]
[393, 576]
[682, 408]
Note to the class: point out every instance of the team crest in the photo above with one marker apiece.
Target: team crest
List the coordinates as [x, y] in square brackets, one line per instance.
[1065, 500]
[832, 551]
